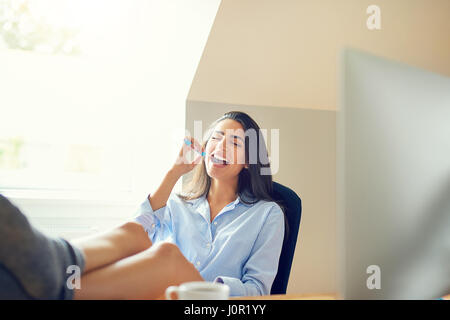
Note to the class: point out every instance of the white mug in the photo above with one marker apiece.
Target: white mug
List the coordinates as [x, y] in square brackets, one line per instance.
[199, 290]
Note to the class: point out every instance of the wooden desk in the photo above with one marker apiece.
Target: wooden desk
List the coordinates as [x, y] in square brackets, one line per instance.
[292, 296]
[299, 296]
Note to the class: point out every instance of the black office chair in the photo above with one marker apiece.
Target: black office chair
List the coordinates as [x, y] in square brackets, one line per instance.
[293, 210]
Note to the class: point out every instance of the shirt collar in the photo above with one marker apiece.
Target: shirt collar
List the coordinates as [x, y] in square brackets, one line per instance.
[234, 203]
[199, 200]
[201, 205]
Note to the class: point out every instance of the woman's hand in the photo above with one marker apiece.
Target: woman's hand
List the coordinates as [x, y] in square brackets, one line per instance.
[183, 164]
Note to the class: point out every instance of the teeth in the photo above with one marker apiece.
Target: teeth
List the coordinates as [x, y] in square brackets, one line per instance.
[217, 160]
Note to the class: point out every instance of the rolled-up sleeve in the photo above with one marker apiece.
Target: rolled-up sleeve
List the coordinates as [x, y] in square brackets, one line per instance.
[260, 269]
[157, 223]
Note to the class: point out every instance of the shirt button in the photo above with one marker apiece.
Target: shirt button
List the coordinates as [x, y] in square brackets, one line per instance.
[208, 245]
[215, 223]
[198, 263]
[153, 226]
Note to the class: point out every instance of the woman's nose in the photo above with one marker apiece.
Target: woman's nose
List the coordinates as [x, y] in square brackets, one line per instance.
[221, 147]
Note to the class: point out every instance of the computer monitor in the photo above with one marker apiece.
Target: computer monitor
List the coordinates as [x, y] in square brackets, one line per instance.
[393, 180]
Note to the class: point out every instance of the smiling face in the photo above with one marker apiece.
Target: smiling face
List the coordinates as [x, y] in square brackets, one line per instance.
[228, 150]
[225, 150]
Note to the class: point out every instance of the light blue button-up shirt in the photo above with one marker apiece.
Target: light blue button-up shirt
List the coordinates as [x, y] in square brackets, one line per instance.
[241, 247]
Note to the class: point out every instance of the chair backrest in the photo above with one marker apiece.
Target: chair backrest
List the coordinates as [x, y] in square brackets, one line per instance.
[293, 210]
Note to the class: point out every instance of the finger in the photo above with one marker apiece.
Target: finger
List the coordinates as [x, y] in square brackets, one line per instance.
[187, 140]
[179, 160]
[186, 147]
[198, 159]
[196, 145]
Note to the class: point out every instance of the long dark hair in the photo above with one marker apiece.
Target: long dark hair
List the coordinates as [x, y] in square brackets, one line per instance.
[252, 186]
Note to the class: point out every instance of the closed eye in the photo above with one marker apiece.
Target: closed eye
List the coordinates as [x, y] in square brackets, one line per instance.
[215, 138]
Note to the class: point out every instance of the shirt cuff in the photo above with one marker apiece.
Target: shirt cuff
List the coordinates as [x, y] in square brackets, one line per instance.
[148, 218]
[235, 284]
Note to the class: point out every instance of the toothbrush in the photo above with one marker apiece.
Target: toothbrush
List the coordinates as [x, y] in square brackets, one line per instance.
[188, 143]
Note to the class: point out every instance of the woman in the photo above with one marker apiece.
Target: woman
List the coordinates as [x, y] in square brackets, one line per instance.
[226, 224]
[225, 227]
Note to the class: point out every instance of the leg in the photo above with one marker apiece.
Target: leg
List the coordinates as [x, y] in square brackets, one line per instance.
[111, 246]
[32, 265]
[143, 276]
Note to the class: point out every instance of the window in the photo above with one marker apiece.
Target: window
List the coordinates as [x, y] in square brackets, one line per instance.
[93, 94]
